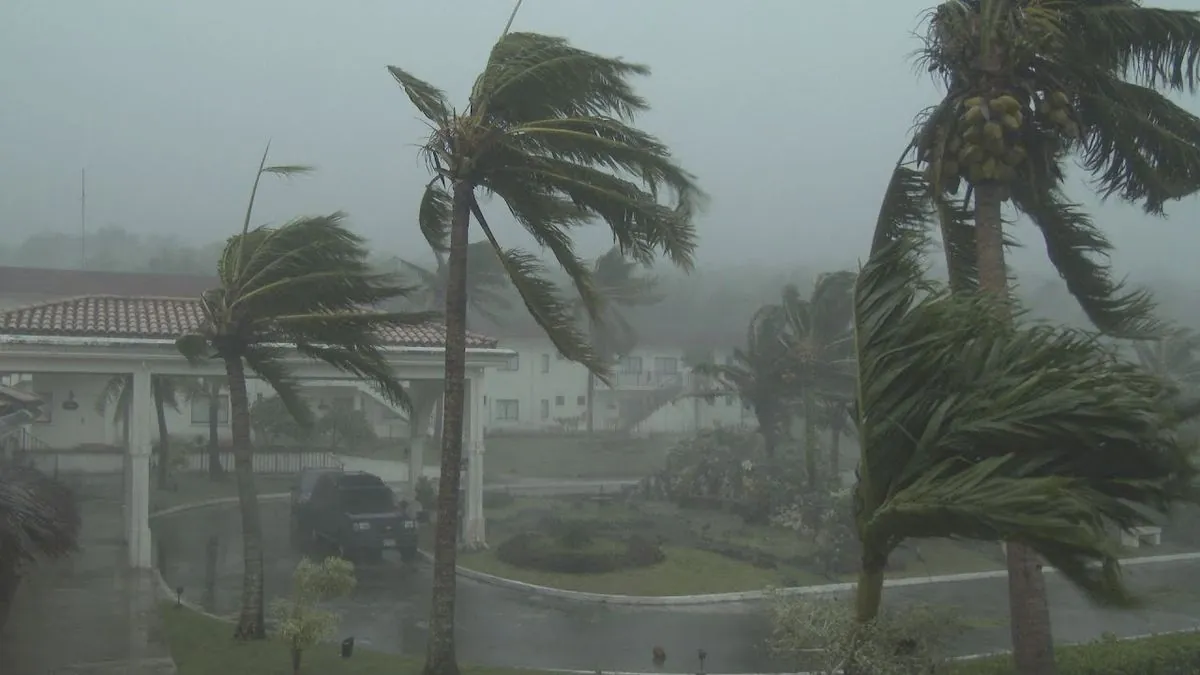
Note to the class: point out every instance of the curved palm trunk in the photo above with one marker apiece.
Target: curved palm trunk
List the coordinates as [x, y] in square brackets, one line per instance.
[440, 658]
[164, 438]
[250, 625]
[835, 454]
[1029, 609]
[810, 442]
[590, 410]
[215, 470]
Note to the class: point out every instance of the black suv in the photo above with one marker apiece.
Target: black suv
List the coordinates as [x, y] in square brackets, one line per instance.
[354, 512]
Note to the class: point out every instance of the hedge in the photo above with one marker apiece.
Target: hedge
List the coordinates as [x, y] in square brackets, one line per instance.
[1169, 654]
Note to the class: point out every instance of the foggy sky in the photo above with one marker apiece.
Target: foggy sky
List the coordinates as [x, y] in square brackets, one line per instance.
[791, 113]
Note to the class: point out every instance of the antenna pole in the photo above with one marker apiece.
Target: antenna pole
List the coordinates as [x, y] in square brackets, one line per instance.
[512, 16]
[83, 219]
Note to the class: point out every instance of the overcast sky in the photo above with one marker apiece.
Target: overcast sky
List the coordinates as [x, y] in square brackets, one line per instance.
[791, 113]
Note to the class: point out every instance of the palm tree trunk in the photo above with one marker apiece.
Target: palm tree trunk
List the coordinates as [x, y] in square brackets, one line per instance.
[215, 470]
[164, 437]
[1029, 608]
[440, 656]
[590, 410]
[835, 453]
[810, 442]
[868, 592]
[250, 625]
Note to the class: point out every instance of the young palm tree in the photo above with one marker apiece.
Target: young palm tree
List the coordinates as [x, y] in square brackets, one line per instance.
[1029, 85]
[948, 387]
[39, 518]
[306, 283]
[117, 396]
[756, 375]
[818, 342]
[616, 280]
[548, 131]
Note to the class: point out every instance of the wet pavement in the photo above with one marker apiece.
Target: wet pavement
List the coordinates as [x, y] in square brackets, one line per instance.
[200, 551]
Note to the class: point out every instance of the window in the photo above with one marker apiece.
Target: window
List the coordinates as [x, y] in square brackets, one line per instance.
[560, 400]
[545, 408]
[508, 409]
[200, 409]
[631, 364]
[47, 415]
[514, 363]
[545, 363]
[580, 400]
[666, 364]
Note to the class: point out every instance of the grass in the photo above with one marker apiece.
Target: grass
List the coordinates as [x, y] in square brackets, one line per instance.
[195, 487]
[686, 571]
[202, 645]
[579, 456]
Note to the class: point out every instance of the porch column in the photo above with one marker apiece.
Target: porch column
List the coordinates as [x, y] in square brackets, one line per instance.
[137, 486]
[473, 525]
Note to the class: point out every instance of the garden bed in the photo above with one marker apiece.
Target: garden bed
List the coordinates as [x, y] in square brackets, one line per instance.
[706, 551]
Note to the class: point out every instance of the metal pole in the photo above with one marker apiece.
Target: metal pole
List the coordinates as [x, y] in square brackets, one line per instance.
[83, 219]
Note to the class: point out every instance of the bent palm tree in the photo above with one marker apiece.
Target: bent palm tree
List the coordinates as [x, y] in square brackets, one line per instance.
[547, 130]
[117, 396]
[1028, 85]
[306, 283]
[942, 404]
[818, 344]
[39, 518]
[756, 374]
[617, 282]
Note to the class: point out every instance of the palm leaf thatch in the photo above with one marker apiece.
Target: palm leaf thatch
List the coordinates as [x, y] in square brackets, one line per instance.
[974, 427]
[39, 517]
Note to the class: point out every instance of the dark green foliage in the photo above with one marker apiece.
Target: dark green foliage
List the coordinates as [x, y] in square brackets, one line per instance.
[573, 546]
[1173, 654]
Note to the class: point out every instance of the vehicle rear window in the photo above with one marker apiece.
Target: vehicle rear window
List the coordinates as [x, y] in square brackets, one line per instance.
[367, 500]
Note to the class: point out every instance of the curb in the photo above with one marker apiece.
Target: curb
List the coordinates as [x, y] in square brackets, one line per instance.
[704, 599]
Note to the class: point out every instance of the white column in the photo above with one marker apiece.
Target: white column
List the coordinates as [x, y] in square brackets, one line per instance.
[473, 527]
[137, 496]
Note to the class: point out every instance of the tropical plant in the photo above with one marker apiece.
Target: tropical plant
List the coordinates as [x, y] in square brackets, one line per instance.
[978, 427]
[548, 130]
[487, 281]
[342, 424]
[39, 518]
[817, 339]
[756, 375]
[1172, 356]
[616, 280]
[305, 283]
[302, 623]
[271, 422]
[117, 396]
[1028, 86]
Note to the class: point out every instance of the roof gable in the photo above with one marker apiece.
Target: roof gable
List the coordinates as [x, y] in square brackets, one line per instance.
[155, 318]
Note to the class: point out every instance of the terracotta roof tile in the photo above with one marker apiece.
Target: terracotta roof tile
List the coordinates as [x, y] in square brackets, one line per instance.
[110, 316]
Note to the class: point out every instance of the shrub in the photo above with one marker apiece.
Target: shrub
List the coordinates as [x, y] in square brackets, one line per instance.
[575, 550]
[426, 493]
[1173, 654]
[301, 623]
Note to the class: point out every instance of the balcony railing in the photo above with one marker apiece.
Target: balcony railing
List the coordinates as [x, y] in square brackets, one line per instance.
[648, 379]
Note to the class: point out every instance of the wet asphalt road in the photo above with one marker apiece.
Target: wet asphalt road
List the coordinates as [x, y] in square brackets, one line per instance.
[200, 550]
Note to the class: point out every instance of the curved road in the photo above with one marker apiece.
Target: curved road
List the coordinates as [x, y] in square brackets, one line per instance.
[200, 550]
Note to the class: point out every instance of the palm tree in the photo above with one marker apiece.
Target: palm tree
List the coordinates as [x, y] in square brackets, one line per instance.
[1172, 356]
[548, 130]
[948, 387]
[616, 280]
[756, 374]
[818, 345]
[117, 396]
[39, 518]
[1029, 85]
[306, 283]
[209, 390]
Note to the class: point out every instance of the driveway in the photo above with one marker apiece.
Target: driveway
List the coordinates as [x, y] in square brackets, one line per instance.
[200, 550]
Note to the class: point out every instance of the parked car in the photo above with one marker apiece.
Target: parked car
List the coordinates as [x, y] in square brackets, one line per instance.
[356, 514]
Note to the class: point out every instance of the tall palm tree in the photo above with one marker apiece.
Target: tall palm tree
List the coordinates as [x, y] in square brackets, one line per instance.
[818, 343]
[974, 427]
[306, 283]
[39, 518]
[1029, 85]
[548, 130]
[209, 390]
[756, 374]
[616, 280]
[117, 396]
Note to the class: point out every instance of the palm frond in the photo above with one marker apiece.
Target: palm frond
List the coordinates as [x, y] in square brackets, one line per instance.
[433, 216]
[267, 362]
[39, 516]
[427, 98]
[1151, 46]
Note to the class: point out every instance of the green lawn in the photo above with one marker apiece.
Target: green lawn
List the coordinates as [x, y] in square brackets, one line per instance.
[195, 487]
[202, 645]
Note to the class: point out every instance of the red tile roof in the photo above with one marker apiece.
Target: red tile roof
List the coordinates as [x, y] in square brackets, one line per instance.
[111, 316]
